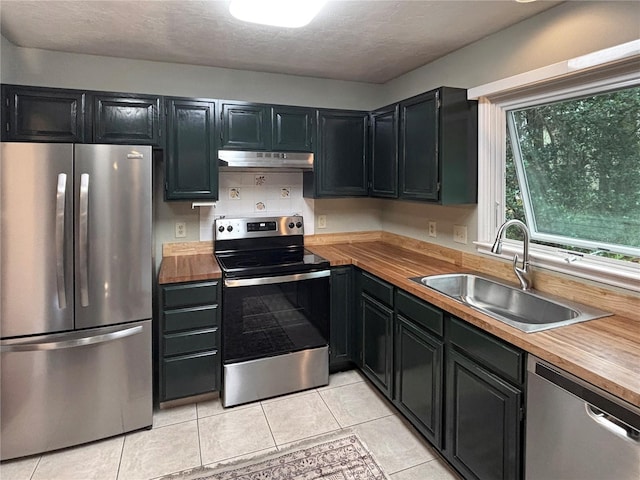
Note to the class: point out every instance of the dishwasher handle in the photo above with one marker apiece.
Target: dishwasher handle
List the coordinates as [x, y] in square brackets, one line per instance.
[613, 424]
[610, 412]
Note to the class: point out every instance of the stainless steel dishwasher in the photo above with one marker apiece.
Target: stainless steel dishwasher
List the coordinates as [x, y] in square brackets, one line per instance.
[576, 430]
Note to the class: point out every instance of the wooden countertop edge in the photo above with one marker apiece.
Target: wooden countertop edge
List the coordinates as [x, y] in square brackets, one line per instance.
[555, 347]
[561, 347]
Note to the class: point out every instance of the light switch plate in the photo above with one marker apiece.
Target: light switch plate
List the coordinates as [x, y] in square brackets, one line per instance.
[322, 221]
[460, 234]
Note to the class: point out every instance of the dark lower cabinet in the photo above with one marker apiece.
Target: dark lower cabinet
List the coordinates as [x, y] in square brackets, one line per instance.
[126, 119]
[418, 378]
[191, 171]
[341, 326]
[377, 343]
[483, 427]
[35, 114]
[188, 341]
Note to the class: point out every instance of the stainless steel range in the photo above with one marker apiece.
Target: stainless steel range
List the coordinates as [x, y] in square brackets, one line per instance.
[275, 317]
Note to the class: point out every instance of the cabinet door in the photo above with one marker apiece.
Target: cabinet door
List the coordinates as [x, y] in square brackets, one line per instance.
[292, 129]
[418, 378]
[341, 327]
[384, 153]
[340, 168]
[245, 126]
[483, 426]
[419, 148]
[43, 115]
[126, 119]
[377, 343]
[192, 158]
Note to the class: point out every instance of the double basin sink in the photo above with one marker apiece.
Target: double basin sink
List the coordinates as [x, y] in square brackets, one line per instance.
[526, 310]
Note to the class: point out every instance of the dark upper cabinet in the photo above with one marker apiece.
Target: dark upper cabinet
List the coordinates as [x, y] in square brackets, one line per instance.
[341, 326]
[292, 129]
[245, 126]
[191, 155]
[383, 172]
[126, 119]
[340, 164]
[418, 364]
[438, 147]
[34, 114]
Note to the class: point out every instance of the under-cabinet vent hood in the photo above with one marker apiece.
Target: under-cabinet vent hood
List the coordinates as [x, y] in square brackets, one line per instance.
[281, 160]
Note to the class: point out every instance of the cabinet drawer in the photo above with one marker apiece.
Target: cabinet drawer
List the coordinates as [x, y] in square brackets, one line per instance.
[189, 294]
[503, 358]
[190, 342]
[190, 318]
[378, 289]
[190, 375]
[420, 312]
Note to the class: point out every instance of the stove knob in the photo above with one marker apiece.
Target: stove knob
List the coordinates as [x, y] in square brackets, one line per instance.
[291, 225]
[229, 228]
[299, 224]
[221, 229]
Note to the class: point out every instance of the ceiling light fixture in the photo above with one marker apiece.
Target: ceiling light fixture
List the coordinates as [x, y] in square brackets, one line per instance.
[278, 13]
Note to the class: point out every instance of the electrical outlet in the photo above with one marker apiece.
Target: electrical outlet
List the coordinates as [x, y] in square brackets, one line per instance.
[460, 233]
[322, 221]
[181, 229]
[432, 229]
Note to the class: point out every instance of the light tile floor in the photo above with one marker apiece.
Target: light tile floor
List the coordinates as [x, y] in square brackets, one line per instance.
[206, 434]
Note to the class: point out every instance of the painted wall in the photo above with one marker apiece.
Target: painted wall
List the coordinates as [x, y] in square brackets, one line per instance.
[565, 31]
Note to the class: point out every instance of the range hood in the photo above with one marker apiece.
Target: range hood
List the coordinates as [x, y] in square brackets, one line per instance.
[281, 160]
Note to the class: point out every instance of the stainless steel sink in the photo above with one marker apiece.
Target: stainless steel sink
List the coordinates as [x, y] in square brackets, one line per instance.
[529, 311]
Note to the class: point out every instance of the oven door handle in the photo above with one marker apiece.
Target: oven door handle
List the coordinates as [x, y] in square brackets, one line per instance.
[296, 277]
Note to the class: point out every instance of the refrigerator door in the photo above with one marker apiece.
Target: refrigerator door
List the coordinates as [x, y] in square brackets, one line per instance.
[65, 389]
[113, 249]
[36, 244]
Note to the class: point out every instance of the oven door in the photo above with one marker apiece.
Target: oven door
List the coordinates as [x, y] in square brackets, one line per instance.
[276, 315]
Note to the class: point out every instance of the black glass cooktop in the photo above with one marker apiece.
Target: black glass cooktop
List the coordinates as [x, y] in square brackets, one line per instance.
[269, 262]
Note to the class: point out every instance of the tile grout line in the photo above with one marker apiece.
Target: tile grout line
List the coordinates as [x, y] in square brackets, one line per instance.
[33, 472]
[269, 425]
[330, 411]
[121, 455]
[198, 432]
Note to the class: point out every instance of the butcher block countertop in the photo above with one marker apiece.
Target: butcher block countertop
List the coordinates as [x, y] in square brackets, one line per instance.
[188, 262]
[604, 352]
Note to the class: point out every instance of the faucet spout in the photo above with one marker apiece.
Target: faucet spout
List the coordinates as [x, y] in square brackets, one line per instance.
[523, 273]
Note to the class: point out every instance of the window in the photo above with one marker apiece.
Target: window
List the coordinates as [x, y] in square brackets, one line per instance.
[573, 172]
[559, 148]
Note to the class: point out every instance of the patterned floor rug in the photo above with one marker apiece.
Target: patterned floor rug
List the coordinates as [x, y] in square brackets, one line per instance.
[342, 458]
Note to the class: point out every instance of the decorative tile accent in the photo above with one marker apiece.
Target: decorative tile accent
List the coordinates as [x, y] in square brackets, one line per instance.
[285, 192]
[261, 206]
[234, 193]
[260, 180]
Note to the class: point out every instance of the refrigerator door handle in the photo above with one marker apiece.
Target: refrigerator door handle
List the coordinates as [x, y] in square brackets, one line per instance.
[61, 196]
[31, 346]
[84, 239]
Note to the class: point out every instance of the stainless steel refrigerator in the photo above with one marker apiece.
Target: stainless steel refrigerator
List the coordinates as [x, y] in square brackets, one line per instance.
[76, 285]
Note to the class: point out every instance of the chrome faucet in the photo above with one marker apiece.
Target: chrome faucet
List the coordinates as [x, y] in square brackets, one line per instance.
[524, 274]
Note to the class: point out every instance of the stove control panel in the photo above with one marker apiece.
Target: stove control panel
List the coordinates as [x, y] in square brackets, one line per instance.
[240, 228]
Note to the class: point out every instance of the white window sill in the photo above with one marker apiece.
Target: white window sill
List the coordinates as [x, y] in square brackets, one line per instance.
[610, 272]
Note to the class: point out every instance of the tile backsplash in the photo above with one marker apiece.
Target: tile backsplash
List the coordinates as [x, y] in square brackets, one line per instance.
[257, 193]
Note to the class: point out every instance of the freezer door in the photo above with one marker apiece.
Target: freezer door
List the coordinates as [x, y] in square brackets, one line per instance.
[66, 389]
[113, 248]
[36, 264]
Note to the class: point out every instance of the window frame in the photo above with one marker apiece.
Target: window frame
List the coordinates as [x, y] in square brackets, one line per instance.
[582, 76]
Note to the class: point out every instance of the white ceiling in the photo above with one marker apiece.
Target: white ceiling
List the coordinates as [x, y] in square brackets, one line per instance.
[366, 41]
